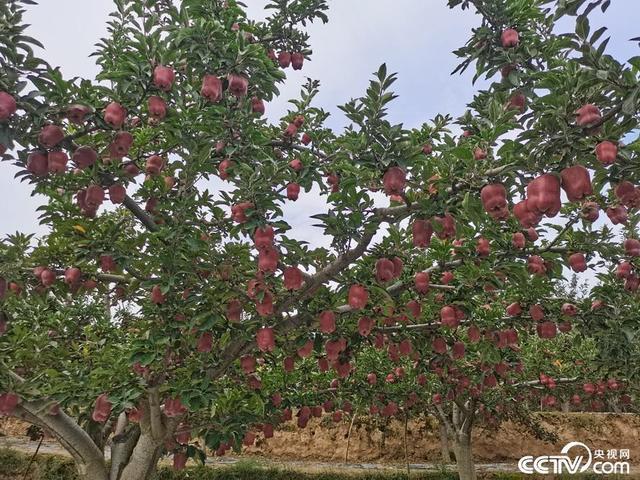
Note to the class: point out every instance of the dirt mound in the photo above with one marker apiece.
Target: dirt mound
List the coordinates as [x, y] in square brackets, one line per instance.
[324, 441]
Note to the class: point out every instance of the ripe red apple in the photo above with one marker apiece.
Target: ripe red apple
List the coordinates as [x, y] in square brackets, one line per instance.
[292, 278]
[163, 77]
[263, 237]
[84, 157]
[223, 168]
[211, 88]
[422, 230]
[514, 309]
[8, 106]
[205, 343]
[518, 240]
[306, 350]
[120, 145]
[157, 107]
[157, 296]
[50, 136]
[414, 308]
[334, 181]
[394, 181]
[117, 193]
[536, 265]
[72, 275]
[628, 194]
[618, 214]
[57, 162]
[293, 191]
[543, 195]
[239, 211]
[590, 211]
[296, 164]
[297, 60]
[569, 309]
[155, 164]
[288, 364]
[448, 317]
[365, 325]
[384, 270]
[577, 262]
[606, 152]
[509, 38]
[547, 330]
[268, 259]
[421, 282]
[114, 114]
[265, 339]
[101, 409]
[587, 115]
[447, 226]
[518, 102]
[576, 182]
[624, 270]
[284, 59]
[77, 113]
[37, 164]
[358, 297]
[257, 106]
[327, 321]
[47, 277]
[536, 312]
[494, 201]
[291, 130]
[527, 217]
[479, 154]
[632, 247]
[483, 247]
[238, 84]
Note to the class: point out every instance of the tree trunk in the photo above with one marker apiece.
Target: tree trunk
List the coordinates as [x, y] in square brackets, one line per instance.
[464, 457]
[444, 443]
[144, 459]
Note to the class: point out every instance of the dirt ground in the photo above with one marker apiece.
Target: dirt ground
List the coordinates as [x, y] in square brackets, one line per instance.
[324, 441]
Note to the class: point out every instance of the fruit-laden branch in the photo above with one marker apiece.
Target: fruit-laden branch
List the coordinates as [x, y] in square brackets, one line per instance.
[335, 267]
[302, 148]
[234, 350]
[533, 383]
[65, 429]
[140, 214]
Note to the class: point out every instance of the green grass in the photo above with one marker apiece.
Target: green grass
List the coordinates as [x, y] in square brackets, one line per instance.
[49, 467]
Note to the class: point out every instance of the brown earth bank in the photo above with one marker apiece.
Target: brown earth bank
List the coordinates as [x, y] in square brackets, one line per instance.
[324, 441]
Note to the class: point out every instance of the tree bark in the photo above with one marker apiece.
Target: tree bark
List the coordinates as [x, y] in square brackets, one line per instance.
[88, 457]
[464, 457]
[144, 459]
[444, 443]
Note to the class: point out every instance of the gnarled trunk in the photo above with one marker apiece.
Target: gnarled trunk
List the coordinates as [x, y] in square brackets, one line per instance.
[464, 457]
[144, 459]
[458, 423]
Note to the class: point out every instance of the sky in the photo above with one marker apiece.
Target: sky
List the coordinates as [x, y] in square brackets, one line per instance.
[414, 37]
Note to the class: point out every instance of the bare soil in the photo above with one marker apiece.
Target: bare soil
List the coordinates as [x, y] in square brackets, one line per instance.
[322, 444]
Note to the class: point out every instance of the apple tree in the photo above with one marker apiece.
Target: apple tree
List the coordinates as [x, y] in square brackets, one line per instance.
[170, 298]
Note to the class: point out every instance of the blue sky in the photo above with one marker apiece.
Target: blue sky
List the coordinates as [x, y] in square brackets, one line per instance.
[414, 37]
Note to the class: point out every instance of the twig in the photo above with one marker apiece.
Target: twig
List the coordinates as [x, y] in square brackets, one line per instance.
[346, 453]
[33, 458]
